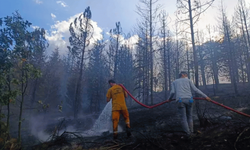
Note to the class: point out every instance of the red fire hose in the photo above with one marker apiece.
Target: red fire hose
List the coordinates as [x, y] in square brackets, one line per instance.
[196, 98]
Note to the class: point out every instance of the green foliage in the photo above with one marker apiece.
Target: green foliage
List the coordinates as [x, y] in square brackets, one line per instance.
[3, 131]
[7, 94]
[21, 51]
[60, 106]
[32, 71]
[2, 116]
[97, 76]
[45, 107]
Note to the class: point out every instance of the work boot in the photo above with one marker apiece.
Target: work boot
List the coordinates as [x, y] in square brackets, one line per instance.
[115, 136]
[128, 132]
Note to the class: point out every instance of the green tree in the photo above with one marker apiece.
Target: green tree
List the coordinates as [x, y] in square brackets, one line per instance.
[98, 74]
[37, 45]
[125, 68]
[19, 38]
[51, 80]
[7, 93]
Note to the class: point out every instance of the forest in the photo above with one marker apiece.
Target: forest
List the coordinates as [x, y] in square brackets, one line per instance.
[47, 101]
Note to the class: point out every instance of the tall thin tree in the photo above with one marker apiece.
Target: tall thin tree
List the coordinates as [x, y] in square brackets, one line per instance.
[81, 32]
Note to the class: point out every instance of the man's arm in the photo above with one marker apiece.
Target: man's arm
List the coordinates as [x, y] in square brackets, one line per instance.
[171, 96]
[172, 93]
[108, 99]
[196, 90]
[125, 94]
[108, 95]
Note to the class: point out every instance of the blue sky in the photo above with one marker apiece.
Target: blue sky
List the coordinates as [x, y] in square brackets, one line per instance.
[105, 12]
[55, 15]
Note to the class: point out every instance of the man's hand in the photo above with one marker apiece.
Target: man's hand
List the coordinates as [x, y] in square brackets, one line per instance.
[168, 101]
[208, 99]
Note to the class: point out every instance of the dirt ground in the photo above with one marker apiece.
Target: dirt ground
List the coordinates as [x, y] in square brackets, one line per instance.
[159, 128]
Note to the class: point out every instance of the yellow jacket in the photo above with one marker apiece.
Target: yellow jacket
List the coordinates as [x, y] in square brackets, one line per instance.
[117, 94]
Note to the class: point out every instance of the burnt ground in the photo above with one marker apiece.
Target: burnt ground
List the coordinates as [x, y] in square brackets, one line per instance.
[159, 128]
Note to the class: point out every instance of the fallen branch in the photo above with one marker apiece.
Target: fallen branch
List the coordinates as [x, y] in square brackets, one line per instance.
[239, 137]
[115, 146]
[136, 146]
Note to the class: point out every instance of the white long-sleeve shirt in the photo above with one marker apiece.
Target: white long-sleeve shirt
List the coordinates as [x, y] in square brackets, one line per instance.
[182, 88]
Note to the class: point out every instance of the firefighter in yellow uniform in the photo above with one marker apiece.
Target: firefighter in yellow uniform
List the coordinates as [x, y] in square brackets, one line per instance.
[118, 95]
